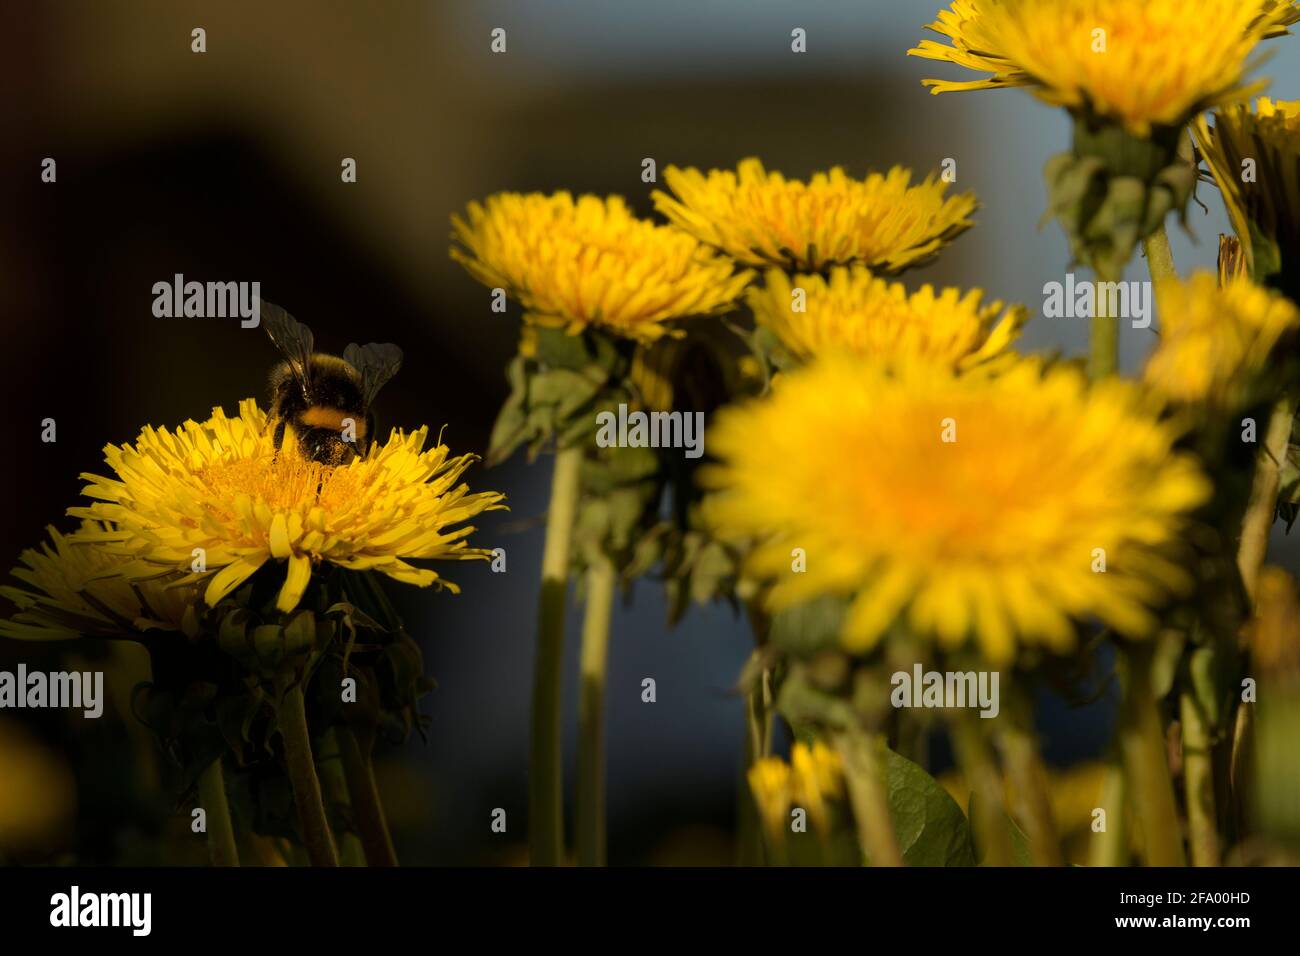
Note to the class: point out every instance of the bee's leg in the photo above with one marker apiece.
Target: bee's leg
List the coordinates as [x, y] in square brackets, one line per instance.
[277, 438]
[363, 446]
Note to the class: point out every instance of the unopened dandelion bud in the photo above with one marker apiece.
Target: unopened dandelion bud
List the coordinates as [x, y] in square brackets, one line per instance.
[1254, 155]
[1232, 259]
[1113, 190]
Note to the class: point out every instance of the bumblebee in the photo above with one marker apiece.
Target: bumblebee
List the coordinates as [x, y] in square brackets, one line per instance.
[321, 404]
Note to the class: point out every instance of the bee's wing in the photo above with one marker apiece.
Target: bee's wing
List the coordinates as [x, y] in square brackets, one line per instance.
[376, 363]
[293, 339]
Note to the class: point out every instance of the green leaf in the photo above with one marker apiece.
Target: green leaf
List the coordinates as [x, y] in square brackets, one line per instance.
[713, 568]
[929, 825]
[510, 429]
[646, 553]
[627, 506]
[508, 432]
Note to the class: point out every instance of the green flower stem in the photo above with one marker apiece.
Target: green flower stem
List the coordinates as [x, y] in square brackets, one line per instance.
[334, 791]
[1262, 505]
[976, 759]
[758, 720]
[1256, 525]
[1146, 763]
[216, 808]
[1029, 777]
[1240, 759]
[864, 774]
[1160, 258]
[306, 785]
[367, 810]
[1110, 846]
[546, 764]
[601, 582]
[1103, 335]
[758, 705]
[749, 835]
[1198, 781]
[758, 744]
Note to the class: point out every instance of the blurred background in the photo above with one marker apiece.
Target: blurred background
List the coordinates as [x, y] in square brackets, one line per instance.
[225, 165]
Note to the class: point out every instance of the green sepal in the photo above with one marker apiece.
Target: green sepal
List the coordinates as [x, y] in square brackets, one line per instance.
[1113, 190]
[809, 628]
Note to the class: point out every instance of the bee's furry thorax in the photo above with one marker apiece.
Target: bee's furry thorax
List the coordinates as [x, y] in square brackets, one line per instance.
[319, 418]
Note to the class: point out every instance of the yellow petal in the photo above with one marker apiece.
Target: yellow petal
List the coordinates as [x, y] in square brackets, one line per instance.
[232, 576]
[279, 536]
[296, 578]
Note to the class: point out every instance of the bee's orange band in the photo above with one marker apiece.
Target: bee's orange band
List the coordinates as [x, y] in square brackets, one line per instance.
[318, 416]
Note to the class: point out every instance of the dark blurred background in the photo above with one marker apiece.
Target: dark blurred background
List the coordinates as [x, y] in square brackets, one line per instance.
[226, 166]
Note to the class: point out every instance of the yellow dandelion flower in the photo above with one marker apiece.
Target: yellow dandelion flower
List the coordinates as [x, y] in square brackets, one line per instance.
[813, 777]
[1263, 197]
[769, 781]
[1216, 342]
[577, 263]
[1139, 63]
[218, 493]
[857, 313]
[73, 589]
[817, 776]
[970, 507]
[761, 218]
